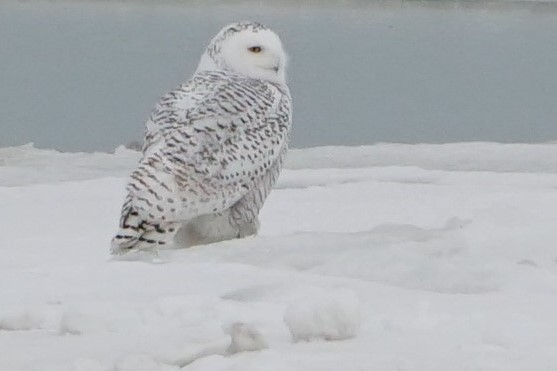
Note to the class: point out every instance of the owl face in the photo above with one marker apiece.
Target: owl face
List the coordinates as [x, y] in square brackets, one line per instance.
[249, 49]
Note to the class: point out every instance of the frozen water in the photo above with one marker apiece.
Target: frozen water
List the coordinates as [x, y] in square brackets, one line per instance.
[83, 75]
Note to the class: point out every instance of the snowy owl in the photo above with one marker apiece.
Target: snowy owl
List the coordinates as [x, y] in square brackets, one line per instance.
[214, 147]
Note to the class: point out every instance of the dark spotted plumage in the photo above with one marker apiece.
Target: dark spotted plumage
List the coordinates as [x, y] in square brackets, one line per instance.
[213, 149]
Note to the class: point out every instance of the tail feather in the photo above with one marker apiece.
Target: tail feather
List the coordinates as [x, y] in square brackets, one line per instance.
[136, 234]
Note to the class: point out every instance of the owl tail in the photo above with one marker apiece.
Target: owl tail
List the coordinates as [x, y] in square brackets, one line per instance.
[135, 234]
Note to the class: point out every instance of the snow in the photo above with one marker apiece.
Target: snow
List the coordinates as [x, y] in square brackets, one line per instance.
[383, 257]
[323, 314]
[244, 337]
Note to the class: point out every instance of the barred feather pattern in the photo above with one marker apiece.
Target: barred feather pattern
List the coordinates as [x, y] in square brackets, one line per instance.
[214, 148]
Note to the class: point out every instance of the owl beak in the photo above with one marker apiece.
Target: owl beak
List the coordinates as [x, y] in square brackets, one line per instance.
[274, 68]
[273, 65]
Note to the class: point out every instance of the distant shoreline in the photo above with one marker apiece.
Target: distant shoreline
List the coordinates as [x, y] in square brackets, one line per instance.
[534, 5]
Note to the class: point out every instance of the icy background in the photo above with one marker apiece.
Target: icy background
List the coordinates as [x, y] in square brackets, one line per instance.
[380, 258]
[82, 76]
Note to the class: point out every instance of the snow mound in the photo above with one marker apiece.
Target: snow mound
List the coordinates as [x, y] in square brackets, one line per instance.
[76, 322]
[21, 320]
[244, 338]
[142, 362]
[26, 164]
[323, 314]
[470, 156]
[86, 364]
[22, 165]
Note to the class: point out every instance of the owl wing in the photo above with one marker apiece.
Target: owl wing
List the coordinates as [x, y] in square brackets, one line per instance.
[210, 144]
[168, 111]
[219, 130]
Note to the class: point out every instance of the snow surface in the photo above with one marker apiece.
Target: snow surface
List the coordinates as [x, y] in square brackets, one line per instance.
[385, 257]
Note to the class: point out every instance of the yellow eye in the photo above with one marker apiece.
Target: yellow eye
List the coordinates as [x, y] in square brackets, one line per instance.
[255, 49]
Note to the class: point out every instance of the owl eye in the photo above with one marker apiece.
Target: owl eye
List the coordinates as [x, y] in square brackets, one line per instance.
[255, 49]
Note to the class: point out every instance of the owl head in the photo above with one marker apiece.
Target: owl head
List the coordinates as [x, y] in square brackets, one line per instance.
[249, 49]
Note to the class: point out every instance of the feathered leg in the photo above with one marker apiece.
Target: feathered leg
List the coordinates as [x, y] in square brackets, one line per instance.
[213, 228]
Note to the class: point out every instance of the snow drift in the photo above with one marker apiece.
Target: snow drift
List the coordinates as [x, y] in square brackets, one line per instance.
[385, 257]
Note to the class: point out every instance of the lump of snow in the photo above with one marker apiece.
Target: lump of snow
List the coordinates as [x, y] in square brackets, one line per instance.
[245, 338]
[142, 362]
[323, 314]
[75, 322]
[20, 320]
[85, 364]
